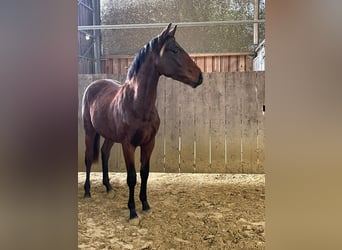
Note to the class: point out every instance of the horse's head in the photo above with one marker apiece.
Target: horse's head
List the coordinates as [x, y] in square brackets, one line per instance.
[172, 60]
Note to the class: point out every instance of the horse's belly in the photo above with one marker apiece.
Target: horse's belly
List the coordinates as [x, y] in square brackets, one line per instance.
[107, 128]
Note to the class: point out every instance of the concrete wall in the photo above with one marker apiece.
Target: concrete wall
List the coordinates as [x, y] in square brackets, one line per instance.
[215, 128]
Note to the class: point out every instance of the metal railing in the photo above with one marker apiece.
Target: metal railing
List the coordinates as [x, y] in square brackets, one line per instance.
[162, 25]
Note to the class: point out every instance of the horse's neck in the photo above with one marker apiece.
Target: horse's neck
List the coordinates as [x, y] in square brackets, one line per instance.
[144, 85]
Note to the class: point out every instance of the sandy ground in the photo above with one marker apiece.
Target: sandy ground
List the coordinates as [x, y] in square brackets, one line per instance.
[188, 211]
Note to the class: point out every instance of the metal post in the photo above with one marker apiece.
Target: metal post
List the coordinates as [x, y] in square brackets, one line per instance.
[162, 25]
[256, 25]
[96, 33]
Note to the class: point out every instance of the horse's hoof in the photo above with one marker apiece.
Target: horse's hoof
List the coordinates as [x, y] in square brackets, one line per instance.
[145, 206]
[87, 195]
[134, 221]
[132, 214]
[111, 193]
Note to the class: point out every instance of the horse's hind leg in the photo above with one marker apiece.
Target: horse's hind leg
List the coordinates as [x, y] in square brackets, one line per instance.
[146, 151]
[105, 153]
[91, 154]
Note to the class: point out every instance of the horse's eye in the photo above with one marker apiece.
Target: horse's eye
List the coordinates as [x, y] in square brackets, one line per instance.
[175, 49]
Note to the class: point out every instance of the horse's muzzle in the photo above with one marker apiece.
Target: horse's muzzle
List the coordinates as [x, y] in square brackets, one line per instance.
[199, 81]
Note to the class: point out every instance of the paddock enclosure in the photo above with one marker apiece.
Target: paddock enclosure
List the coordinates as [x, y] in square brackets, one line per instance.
[215, 128]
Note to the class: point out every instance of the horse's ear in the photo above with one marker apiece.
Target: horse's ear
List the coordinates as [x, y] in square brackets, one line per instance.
[173, 31]
[165, 32]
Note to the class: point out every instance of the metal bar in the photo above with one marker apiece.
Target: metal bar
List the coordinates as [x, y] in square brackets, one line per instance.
[191, 55]
[86, 33]
[87, 58]
[96, 33]
[88, 49]
[255, 25]
[162, 25]
[85, 5]
[260, 45]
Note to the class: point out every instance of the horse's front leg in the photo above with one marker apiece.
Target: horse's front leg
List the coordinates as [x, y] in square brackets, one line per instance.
[146, 151]
[128, 150]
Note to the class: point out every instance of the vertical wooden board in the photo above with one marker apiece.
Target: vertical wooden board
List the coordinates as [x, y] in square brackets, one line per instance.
[208, 64]
[242, 63]
[217, 122]
[109, 66]
[216, 64]
[130, 60]
[171, 127]
[260, 85]
[200, 63]
[123, 65]
[116, 68]
[224, 64]
[202, 104]
[249, 122]
[233, 64]
[186, 99]
[214, 68]
[157, 157]
[249, 63]
[102, 66]
[119, 62]
[233, 125]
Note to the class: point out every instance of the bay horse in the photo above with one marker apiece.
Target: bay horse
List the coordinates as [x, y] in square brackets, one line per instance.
[126, 113]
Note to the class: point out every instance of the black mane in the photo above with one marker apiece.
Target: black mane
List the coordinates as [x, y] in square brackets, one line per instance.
[140, 58]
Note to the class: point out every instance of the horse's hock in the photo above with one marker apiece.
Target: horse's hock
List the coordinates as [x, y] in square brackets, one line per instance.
[217, 128]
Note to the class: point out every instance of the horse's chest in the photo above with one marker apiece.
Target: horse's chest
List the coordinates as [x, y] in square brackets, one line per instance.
[144, 133]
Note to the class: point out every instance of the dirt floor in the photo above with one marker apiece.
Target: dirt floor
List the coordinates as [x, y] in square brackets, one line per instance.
[188, 211]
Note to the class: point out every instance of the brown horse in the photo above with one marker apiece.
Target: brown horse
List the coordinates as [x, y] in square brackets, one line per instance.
[127, 113]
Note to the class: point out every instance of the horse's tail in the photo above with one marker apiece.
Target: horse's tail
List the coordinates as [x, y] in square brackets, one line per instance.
[94, 142]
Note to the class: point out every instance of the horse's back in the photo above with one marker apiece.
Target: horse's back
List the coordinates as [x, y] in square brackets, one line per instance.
[103, 86]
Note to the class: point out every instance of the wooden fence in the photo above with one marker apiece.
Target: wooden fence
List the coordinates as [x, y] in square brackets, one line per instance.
[215, 128]
[223, 62]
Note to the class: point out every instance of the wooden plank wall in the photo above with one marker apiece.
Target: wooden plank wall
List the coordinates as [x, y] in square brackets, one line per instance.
[215, 128]
[224, 62]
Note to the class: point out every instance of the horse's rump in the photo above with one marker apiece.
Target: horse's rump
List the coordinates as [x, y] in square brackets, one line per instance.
[98, 90]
